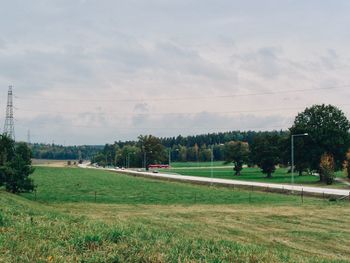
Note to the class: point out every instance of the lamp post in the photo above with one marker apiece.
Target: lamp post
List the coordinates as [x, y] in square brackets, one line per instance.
[169, 157]
[292, 151]
[129, 158]
[212, 163]
[145, 158]
[176, 150]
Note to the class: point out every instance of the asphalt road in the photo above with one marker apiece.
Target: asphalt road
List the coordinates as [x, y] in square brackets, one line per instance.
[227, 182]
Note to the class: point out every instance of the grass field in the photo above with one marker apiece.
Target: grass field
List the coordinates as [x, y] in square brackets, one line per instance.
[57, 185]
[248, 174]
[50, 163]
[142, 220]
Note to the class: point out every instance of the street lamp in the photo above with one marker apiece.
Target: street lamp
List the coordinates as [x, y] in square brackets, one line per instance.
[292, 151]
[145, 158]
[176, 150]
[169, 156]
[212, 162]
[129, 159]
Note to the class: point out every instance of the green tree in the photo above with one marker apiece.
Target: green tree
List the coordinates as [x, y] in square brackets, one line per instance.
[152, 149]
[205, 153]
[328, 130]
[15, 166]
[182, 153]
[238, 154]
[265, 152]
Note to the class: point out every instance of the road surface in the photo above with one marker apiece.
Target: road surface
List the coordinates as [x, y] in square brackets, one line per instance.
[227, 182]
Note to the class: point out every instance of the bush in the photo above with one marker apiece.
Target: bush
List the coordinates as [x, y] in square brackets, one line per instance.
[327, 168]
[347, 164]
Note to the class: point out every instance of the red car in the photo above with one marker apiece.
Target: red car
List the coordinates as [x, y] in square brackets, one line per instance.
[158, 166]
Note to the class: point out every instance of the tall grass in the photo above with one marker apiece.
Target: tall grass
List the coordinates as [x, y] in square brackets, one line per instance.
[166, 225]
[57, 185]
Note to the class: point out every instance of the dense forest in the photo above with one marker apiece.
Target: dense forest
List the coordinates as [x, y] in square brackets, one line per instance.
[183, 149]
[59, 152]
[190, 143]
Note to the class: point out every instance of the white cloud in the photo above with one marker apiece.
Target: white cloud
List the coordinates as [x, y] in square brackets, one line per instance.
[79, 66]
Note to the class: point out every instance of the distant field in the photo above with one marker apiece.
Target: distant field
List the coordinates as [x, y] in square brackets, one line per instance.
[250, 174]
[51, 163]
[143, 220]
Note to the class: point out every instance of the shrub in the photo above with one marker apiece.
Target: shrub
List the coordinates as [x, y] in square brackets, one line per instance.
[347, 164]
[327, 168]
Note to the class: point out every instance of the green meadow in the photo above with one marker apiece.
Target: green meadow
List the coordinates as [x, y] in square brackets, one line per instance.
[83, 215]
[280, 176]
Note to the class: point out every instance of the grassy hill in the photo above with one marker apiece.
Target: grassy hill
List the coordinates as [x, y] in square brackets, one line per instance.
[140, 220]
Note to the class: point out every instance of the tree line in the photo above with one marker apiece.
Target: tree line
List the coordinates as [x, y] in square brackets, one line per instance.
[324, 148]
[60, 152]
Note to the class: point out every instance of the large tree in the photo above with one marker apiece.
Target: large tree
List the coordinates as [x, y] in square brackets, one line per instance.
[238, 154]
[328, 130]
[265, 152]
[152, 149]
[15, 166]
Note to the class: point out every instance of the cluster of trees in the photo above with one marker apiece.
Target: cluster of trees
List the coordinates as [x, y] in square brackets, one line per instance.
[194, 148]
[60, 152]
[324, 149]
[15, 166]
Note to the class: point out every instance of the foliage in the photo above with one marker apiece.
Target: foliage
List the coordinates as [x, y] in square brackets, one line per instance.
[265, 153]
[347, 164]
[153, 150]
[328, 130]
[15, 166]
[183, 149]
[327, 168]
[60, 152]
[238, 154]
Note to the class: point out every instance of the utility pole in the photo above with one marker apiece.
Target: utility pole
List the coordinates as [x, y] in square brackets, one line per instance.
[80, 157]
[212, 163]
[169, 156]
[9, 127]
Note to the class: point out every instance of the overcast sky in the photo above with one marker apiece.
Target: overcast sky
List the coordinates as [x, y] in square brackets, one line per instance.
[96, 71]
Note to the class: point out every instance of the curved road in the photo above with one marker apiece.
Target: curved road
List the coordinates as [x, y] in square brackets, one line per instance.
[226, 182]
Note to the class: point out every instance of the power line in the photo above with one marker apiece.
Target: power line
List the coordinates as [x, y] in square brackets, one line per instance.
[227, 96]
[135, 114]
[276, 127]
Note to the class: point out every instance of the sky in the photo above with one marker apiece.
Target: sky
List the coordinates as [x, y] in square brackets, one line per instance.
[97, 71]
